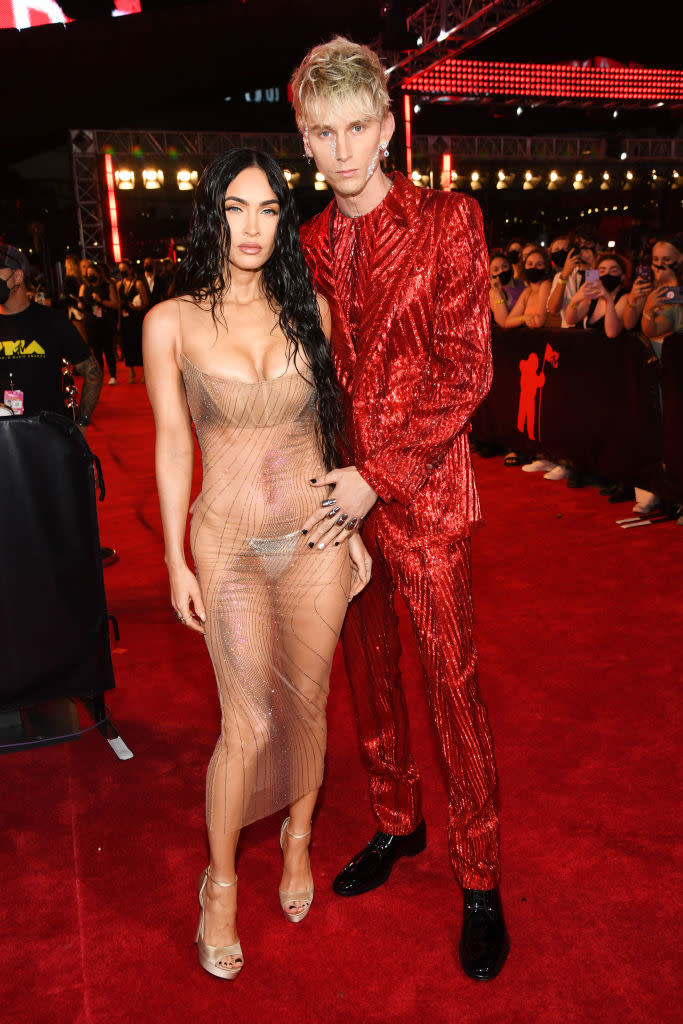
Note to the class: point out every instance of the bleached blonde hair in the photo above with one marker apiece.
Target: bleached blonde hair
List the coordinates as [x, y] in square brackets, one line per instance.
[334, 73]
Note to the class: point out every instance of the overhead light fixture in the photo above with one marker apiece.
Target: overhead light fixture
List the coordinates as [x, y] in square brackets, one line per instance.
[629, 175]
[622, 155]
[475, 175]
[186, 180]
[152, 179]
[125, 179]
[319, 176]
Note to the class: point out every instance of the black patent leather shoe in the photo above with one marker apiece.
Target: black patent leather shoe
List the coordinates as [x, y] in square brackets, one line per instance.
[372, 866]
[484, 943]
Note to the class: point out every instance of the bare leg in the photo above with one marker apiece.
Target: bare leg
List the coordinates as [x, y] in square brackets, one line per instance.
[220, 904]
[296, 871]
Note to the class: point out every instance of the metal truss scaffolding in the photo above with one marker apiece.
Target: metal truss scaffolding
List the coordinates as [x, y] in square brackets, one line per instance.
[88, 147]
[446, 28]
[85, 167]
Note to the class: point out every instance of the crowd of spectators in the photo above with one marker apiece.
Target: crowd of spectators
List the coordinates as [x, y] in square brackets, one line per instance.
[572, 283]
[108, 306]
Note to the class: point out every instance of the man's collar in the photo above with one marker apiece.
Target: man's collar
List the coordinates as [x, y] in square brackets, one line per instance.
[400, 202]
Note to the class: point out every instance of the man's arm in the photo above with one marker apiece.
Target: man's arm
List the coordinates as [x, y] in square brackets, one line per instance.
[458, 373]
[91, 373]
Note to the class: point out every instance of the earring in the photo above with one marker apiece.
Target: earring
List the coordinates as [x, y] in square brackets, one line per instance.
[384, 145]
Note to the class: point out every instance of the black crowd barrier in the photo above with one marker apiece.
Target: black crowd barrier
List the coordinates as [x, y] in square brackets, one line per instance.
[607, 405]
[54, 630]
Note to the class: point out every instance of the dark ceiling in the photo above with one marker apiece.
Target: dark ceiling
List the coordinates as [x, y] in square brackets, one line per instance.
[173, 66]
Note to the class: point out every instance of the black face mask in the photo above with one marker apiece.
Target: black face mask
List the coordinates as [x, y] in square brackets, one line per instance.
[505, 276]
[4, 291]
[559, 257]
[610, 281]
[92, 280]
[149, 270]
[513, 256]
[534, 274]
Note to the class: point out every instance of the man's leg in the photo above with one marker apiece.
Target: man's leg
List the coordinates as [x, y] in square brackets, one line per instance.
[435, 582]
[371, 653]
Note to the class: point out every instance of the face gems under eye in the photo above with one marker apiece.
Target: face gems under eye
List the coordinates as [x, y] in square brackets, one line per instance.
[333, 147]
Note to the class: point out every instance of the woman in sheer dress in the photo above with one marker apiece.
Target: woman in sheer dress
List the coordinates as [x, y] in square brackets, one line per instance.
[244, 355]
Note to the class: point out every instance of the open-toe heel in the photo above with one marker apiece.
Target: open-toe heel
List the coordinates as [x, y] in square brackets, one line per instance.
[212, 958]
[304, 896]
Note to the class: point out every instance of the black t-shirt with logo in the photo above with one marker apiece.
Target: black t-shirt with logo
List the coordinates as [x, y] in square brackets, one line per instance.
[32, 346]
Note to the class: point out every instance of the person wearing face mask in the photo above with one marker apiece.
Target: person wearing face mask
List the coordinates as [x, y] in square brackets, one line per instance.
[34, 340]
[99, 304]
[658, 318]
[600, 305]
[514, 255]
[569, 279]
[503, 290]
[530, 309]
[558, 251]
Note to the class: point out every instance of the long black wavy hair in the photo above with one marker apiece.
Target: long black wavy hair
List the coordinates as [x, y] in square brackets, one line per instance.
[285, 280]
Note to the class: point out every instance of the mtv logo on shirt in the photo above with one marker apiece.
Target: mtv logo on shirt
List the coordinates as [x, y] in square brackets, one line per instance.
[21, 349]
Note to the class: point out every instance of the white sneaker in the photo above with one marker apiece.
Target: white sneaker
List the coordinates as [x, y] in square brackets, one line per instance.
[112, 380]
[559, 473]
[538, 466]
[643, 508]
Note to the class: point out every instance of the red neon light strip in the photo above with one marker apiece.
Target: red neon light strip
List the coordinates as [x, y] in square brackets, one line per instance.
[113, 211]
[409, 135]
[477, 78]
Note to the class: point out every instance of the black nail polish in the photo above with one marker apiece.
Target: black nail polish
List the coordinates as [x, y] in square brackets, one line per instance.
[304, 532]
[336, 543]
[314, 480]
[311, 544]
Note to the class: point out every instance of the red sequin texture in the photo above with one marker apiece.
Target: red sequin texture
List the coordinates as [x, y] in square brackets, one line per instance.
[408, 290]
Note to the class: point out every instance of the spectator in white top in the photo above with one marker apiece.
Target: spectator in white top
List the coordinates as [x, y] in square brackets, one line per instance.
[568, 280]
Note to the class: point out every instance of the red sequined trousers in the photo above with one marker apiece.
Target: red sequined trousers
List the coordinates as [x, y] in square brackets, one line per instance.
[435, 583]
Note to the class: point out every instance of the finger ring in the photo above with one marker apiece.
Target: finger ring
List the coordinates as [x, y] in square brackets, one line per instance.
[342, 519]
[334, 512]
[179, 617]
[327, 502]
[351, 523]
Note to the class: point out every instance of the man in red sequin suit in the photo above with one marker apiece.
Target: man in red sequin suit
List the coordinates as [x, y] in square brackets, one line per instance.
[405, 273]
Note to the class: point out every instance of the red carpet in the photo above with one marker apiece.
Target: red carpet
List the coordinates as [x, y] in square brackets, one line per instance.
[579, 629]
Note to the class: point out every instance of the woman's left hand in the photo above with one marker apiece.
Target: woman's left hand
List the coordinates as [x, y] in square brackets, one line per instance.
[349, 503]
[361, 565]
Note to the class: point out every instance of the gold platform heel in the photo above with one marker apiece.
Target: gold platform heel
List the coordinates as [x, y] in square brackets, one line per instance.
[211, 956]
[305, 895]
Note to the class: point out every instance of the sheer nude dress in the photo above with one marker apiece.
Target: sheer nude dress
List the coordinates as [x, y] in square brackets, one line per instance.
[274, 607]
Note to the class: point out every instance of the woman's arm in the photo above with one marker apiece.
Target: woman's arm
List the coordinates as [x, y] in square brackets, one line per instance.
[174, 453]
[635, 301]
[498, 304]
[541, 299]
[578, 307]
[654, 324]
[614, 315]
[515, 317]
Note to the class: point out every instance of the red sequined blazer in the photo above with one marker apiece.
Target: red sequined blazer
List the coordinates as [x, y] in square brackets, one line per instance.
[422, 360]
